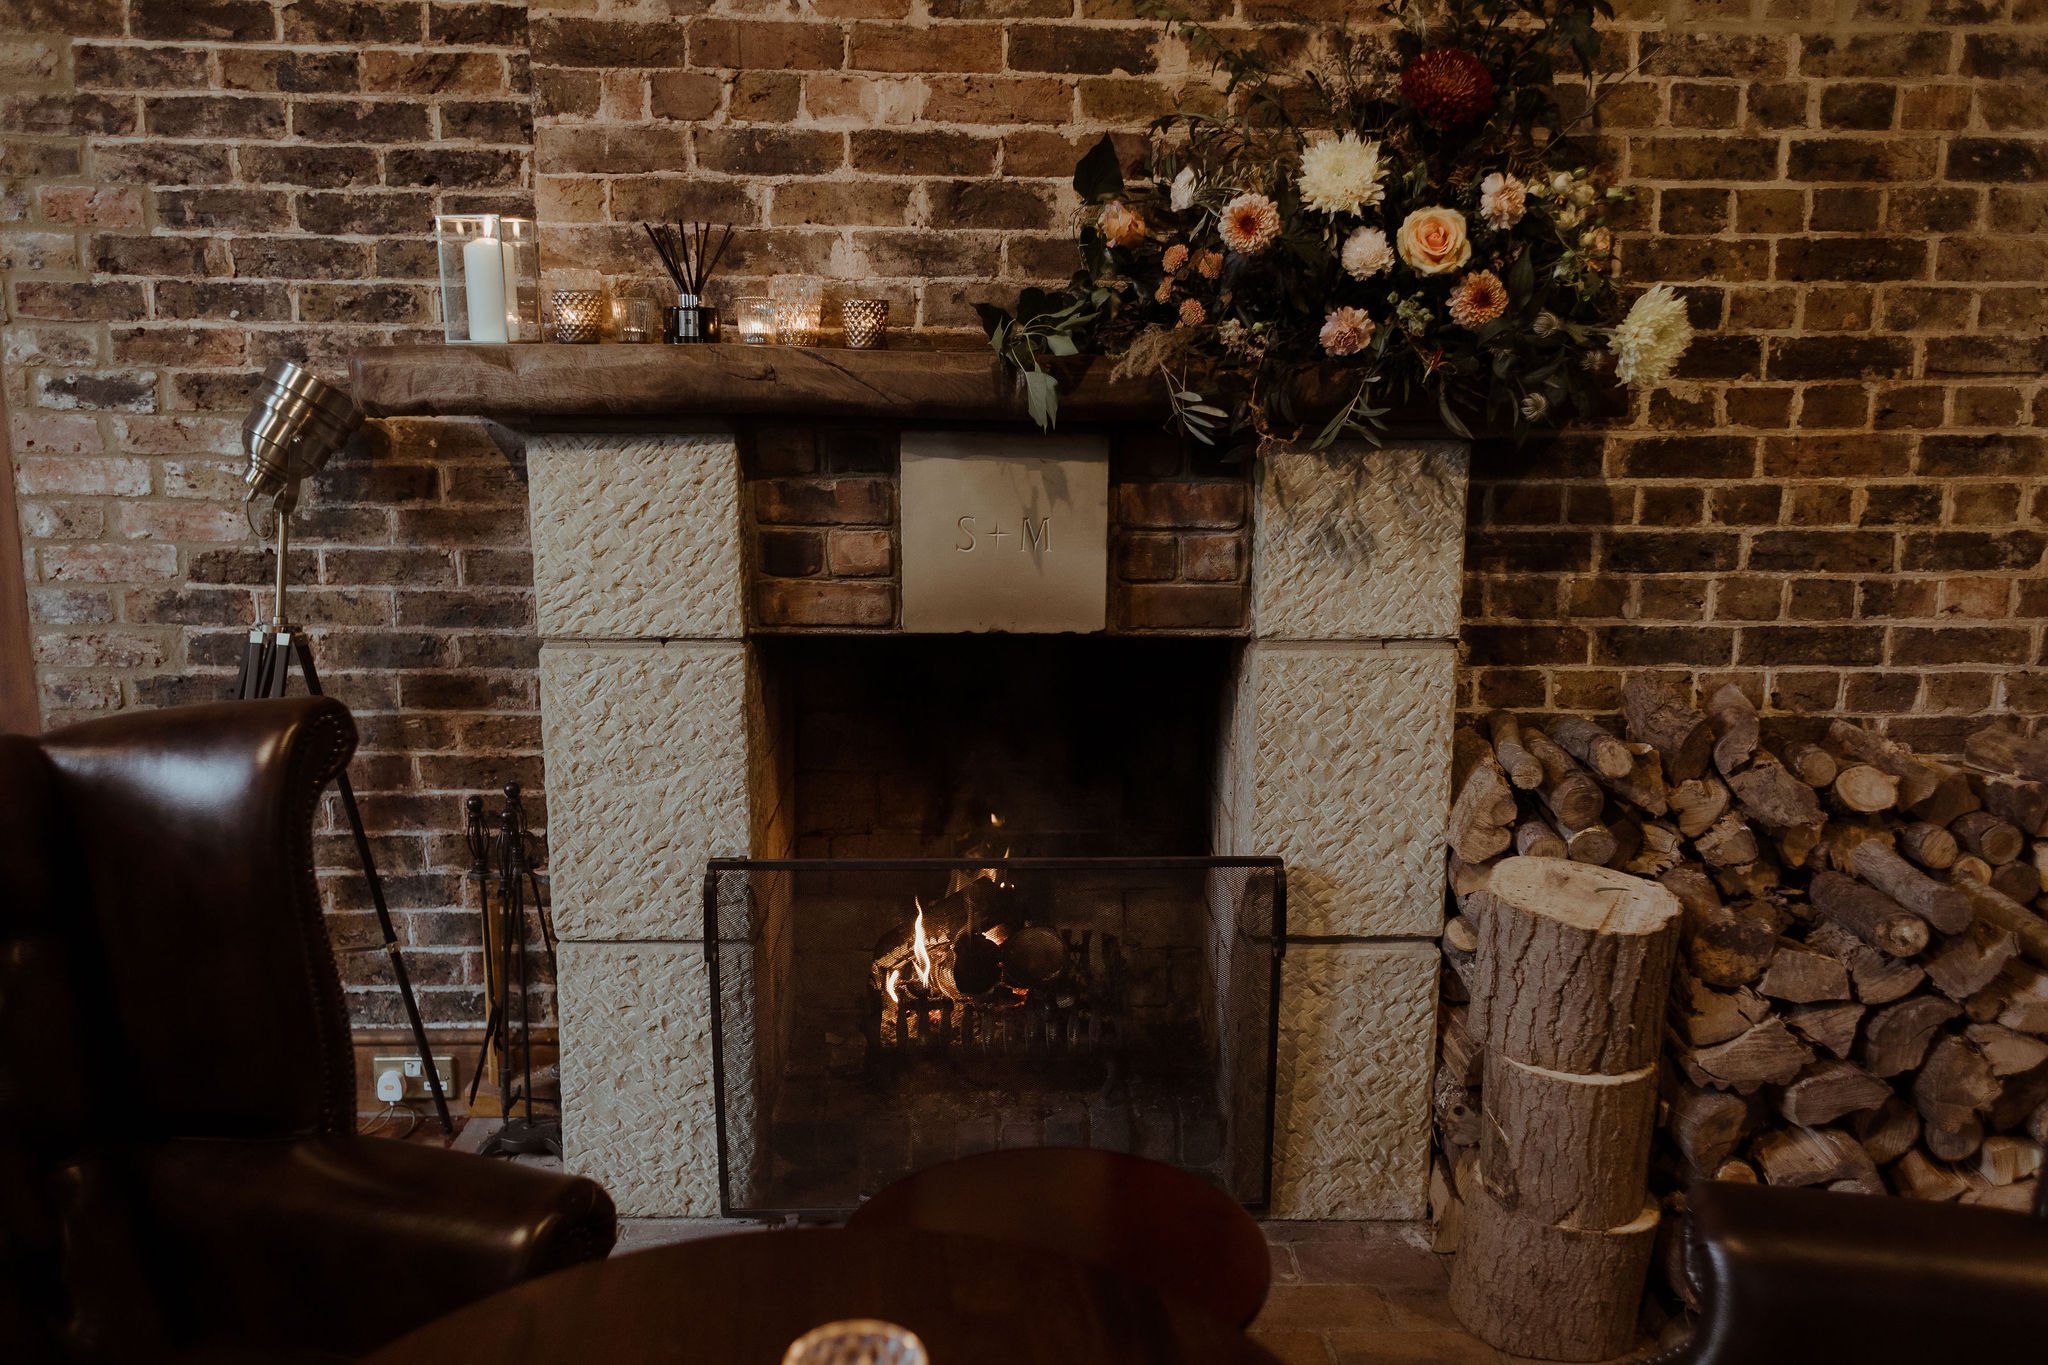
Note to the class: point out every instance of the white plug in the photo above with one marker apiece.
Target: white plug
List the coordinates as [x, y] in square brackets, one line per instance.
[391, 1085]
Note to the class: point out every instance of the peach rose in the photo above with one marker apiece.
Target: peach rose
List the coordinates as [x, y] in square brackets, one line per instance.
[1433, 241]
[1119, 225]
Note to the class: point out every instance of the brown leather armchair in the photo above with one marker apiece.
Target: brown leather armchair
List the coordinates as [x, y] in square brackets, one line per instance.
[179, 1172]
[1807, 1277]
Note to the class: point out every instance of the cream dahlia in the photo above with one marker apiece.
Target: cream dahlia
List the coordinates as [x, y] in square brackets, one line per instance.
[1477, 299]
[1249, 224]
[1342, 175]
[1648, 343]
[1346, 331]
[1366, 253]
[1433, 241]
[1119, 225]
[1502, 200]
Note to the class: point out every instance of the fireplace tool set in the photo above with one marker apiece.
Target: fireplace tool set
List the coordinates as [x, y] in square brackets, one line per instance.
[500, 853]
[296, 425]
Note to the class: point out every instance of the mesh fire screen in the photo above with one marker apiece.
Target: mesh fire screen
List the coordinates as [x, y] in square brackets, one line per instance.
[871, 1018]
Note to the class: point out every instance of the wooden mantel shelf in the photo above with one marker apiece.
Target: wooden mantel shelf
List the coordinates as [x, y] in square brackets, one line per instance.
[522, 384]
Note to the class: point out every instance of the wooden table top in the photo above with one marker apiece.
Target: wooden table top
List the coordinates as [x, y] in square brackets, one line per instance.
[741, 1300]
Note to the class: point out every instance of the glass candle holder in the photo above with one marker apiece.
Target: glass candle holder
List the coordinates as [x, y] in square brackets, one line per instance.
[796, 299]
[490, 278]
[579, 314]
[635, 319]
[757, 321]
[857, 1341]
[866, 322]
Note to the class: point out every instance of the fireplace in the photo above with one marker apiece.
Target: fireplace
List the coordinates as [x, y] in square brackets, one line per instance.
[1312, 733]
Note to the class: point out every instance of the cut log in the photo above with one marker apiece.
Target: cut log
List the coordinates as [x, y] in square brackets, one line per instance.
[2003, 1160]
[1767, 1054]
[2017, 799]
[1830, 1027]
[1568, 791]
[1954, 1089]
[1467, 878]
[1531, 1289]
[1658, 715]
[1594, 843]
[1919, 1177]
[1521, 767]
[1772, 797]
[1456, 1047]
[1601, 753]
[1737, 1172]
[1878, 980]
[1642, 786]
[1889, 1131]
[1862, 789]
[1944, 907]
[1446, 1207]
[1704, 1015]
[1990, 838]
[2022, 1095]
[1483, 807]
[1736, 728]
[2006, 751]
[1536, 839]
[1897, 1037]
[1705, 1125]
[1694, 889]
[1868, 913]
[1814, 1156]
[1730, 843]
[1917, 778]
[1953, 795]
[1728, 949]
[1843, 837]
[1698, 803]
[1971, 960]
[2020, 996]
[1456, 1108]
[2018, 881]
[1574, 962]
[1810, 763]
[1969, 867]
[1992, 907]
[1804, 977]
[1929, 845]
[1830, 1090]
[2010, 1052]
[1563, 1148]
[1662, 849]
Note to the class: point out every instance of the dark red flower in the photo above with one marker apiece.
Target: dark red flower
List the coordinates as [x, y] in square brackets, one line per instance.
[1450, 87]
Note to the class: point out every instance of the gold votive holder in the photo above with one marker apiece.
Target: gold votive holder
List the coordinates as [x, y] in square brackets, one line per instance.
[796, 299]
[579, 314]
[866, 322]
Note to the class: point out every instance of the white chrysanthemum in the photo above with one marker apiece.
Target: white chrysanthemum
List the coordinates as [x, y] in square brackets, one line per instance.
[1649, 341]
[1181, 197]
[1342, 175]
[1366, 253]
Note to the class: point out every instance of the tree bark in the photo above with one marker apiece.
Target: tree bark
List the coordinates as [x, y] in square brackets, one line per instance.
[1532, 1289]
[1868, 913]
[1812, 764]
[1601, 753]
[1567, 791]
[1521, 766]
[1929, 845]
[1567, 1149]
[1574, 962]
[1944, 907]
[1658, 715]
[1990, 838]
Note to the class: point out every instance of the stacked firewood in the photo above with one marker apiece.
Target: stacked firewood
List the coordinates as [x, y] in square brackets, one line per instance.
[1860, 999]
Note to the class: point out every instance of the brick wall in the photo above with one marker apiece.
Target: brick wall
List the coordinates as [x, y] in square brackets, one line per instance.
[1845, 504]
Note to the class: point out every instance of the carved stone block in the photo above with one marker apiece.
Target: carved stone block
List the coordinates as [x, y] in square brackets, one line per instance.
[637, 537]
[1355, 543]
[1337, 758]
[1357, 1036]
[648, 772]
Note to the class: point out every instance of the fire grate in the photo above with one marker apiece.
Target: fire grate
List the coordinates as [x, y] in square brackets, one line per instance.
[873, 1017]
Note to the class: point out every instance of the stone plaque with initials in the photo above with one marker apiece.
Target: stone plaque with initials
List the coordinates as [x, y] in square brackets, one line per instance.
[1005, 532]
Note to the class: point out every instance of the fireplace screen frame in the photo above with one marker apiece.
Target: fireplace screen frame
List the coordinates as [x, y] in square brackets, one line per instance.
[716, 940]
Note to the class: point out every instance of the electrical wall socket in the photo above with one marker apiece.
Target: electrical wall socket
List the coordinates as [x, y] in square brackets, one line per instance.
[408, 1065]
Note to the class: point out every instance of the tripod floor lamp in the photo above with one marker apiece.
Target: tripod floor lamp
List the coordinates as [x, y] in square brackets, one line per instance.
[294, 427]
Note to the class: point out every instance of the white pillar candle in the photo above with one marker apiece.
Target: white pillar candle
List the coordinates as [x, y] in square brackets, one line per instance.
[483, 286]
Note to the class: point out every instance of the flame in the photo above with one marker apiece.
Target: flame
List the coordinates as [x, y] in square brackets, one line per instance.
[920, 948]
[889, 986]
[995, 934]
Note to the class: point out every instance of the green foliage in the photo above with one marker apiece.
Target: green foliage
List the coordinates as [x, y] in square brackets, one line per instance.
[1247, 361]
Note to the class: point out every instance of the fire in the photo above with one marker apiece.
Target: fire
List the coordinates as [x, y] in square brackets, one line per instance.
[889, 986]
[920, 948]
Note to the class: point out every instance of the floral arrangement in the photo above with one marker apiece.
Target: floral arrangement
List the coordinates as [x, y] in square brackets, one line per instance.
[1398, 225]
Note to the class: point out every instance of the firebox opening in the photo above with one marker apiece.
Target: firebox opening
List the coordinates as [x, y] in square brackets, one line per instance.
[908, 747]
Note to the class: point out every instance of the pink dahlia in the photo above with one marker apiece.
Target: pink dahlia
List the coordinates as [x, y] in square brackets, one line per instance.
[1347, 331]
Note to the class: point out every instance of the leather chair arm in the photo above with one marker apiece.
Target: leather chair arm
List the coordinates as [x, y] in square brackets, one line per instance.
[343, 1243]
[1811, 1277]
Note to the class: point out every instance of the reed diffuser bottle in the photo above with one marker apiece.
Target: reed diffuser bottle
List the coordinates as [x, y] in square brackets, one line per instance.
[690, 254]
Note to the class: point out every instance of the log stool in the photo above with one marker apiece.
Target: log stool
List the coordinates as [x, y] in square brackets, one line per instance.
[1144, 1219]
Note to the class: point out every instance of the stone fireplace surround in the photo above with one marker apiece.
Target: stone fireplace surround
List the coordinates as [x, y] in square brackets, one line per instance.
[661, 754]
